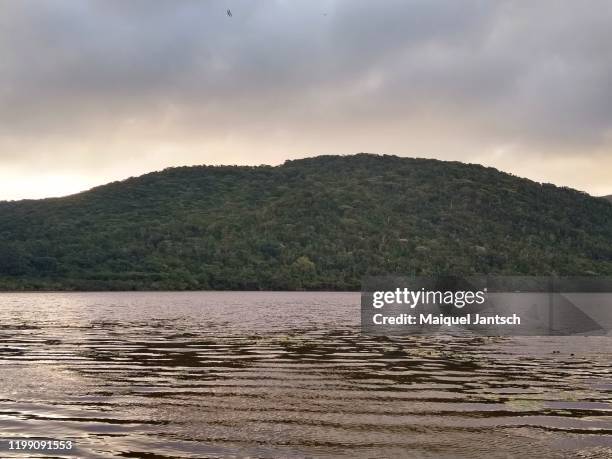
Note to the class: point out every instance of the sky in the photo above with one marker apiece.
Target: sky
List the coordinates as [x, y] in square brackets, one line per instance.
[94, 91]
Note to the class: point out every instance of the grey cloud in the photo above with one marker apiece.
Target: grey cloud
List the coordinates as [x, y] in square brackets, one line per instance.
[499, 72]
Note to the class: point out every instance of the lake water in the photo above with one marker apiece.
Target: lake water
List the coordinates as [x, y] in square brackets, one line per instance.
[185, 375]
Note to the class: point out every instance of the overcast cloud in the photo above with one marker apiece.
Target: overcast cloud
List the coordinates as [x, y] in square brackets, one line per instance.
[92, 91]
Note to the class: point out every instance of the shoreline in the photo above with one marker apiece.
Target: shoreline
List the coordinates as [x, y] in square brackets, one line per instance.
[179, 291]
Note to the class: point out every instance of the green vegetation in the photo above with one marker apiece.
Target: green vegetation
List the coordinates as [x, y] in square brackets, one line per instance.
[318, 223]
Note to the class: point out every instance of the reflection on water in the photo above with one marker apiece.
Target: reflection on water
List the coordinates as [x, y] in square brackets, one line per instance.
[182, 375]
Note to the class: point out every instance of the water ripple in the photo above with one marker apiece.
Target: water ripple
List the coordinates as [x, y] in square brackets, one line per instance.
[185, 375]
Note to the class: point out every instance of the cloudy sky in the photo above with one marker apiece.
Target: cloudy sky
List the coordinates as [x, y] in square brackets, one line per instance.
[93, 91]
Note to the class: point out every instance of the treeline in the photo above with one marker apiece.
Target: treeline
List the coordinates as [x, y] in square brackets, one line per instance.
[318, 223]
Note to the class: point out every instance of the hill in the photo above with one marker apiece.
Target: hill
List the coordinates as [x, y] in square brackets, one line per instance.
[318, 223]
[609, 198]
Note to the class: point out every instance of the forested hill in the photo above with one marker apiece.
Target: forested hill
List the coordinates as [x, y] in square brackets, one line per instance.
[318, 223]
[609, 198]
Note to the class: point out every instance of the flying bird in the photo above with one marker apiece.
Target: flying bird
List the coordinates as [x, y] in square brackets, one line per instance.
[229, 13]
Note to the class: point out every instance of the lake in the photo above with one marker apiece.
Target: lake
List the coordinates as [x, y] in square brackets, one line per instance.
[242, 374]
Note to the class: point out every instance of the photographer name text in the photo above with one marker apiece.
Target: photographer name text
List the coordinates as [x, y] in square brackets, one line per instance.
[441, 319]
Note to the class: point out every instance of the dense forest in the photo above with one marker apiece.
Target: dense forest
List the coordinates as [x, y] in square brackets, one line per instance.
[318, 223]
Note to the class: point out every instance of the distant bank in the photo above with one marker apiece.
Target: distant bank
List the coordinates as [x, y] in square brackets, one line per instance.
[314, 224]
